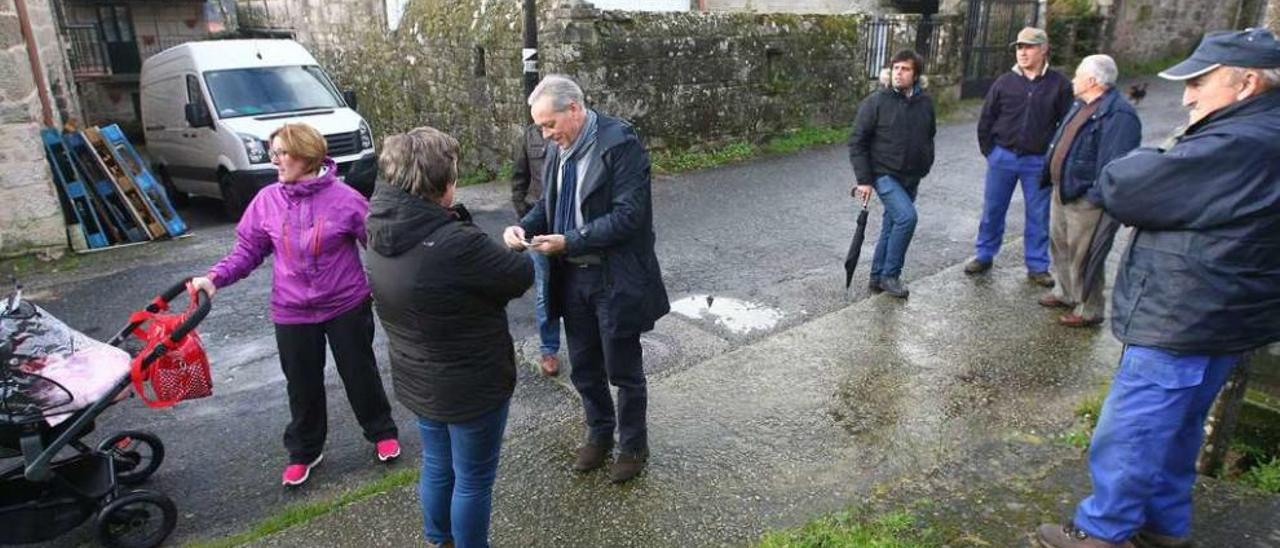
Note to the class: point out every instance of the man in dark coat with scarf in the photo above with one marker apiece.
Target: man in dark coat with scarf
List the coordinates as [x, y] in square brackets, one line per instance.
[596, 224]
[1198, 288]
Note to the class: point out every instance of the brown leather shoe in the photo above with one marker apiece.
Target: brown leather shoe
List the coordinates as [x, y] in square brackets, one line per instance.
[591, 456]
[1052, 301]
[1071, 319]
[628, 465]
[550, 365]
[1052, 535]
[1042, 279]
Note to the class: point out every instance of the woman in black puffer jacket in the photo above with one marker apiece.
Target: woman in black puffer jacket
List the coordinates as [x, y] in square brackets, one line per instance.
[441, 288]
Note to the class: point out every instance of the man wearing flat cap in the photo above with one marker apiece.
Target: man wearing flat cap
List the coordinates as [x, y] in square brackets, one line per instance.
[1021, 112]
[1198, 288]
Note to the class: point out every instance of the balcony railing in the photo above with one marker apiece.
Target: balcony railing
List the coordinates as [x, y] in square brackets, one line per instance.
[86, 51]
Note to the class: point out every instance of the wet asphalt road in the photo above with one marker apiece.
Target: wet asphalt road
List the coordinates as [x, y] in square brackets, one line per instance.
[771, 233]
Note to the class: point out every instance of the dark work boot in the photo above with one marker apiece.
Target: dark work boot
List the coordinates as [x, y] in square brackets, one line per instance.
[628, 465]
[894, 287]
[592, 455]
[976, 266]
[1042, 279]
[873, 286]
[1147, 539]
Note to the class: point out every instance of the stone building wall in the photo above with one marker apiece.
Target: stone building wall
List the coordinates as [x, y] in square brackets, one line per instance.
[31, 219]
[795, 6]
[1147, 30]
[684, 79]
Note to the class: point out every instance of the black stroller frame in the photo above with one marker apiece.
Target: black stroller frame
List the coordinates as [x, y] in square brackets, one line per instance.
[45, 496]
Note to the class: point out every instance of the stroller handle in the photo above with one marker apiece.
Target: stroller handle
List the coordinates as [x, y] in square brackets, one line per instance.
[193, 318]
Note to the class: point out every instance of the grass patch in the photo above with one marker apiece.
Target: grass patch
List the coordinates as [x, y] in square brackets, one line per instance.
[1264, 476]
[484, 175]
[801, 139]
[302, 513]
[675, 161]
[895, 530]
[1090, 408]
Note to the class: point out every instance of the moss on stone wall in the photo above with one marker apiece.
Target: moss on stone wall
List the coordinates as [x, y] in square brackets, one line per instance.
[686, 80]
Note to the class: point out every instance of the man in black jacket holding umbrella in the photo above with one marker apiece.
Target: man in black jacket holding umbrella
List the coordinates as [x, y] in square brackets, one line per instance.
[891, 149]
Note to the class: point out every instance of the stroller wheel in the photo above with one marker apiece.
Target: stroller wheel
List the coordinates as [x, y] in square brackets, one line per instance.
[137, 455]
[138, 519]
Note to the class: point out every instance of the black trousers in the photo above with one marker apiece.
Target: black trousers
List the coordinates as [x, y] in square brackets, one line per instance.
[599, 360]
[302, 357]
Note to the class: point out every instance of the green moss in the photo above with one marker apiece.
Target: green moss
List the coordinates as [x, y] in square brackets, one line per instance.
[894, 530]
[800, 139]
[1264, 476]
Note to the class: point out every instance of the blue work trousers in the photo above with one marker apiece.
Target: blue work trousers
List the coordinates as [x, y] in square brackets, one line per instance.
[1143, 454]
[1005, 169]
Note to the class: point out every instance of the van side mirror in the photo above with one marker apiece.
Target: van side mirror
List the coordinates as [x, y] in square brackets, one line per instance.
[198, 115]
[349, 96]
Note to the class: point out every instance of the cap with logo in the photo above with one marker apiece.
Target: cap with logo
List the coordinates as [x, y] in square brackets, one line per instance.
[1249, 48]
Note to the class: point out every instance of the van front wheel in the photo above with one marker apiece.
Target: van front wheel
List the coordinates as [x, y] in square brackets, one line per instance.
[232, 203]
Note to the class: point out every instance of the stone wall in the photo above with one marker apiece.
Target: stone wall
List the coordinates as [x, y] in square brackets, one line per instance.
[1148, 30]
[685, 79]
[795, 6]
[31, 219]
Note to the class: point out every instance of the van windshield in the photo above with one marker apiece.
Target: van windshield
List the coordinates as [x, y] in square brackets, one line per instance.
[270, 90]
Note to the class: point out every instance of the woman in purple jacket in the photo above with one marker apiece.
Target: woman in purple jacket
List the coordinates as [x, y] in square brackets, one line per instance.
[312, 222]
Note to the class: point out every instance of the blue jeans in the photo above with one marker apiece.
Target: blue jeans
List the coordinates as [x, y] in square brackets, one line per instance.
[459, 464]
[548, 328]
[1004, 170]
[896, 229]
[1143, 456]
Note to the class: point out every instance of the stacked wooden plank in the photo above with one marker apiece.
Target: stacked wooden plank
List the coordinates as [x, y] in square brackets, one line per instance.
[109, 196]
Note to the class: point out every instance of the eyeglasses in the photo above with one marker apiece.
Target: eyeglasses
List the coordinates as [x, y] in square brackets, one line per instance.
[277, 152]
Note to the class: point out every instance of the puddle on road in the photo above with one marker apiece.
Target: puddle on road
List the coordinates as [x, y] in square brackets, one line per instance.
[738, 316]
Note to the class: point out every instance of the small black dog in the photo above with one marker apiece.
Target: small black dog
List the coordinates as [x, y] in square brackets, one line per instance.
[1137, 93]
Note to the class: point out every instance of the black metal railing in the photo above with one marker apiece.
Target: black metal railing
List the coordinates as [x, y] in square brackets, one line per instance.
[86, 51]
[885, 37]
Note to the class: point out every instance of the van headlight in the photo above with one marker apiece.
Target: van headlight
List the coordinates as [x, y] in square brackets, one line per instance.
[366, 136]
[254, 149]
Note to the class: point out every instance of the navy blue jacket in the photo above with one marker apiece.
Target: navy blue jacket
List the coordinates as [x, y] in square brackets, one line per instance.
[617, 215]
[1202, 274]
[1021, 114]
[1111, 132]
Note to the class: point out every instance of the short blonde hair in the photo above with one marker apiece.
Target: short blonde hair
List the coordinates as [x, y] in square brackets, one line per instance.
[422, 162]
[302, 142]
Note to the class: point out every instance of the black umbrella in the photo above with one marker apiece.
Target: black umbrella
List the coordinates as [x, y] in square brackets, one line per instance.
[1096, 260]
[855, 247]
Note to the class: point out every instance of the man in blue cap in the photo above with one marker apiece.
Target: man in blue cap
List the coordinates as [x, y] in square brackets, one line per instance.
[1198, 288]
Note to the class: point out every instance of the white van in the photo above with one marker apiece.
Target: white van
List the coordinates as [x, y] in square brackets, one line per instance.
[209, 107]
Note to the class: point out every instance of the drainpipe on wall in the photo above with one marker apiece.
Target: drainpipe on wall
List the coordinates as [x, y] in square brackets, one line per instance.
[529, 55]
[33, 56]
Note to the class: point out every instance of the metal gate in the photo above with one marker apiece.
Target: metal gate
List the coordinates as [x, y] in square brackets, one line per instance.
[991, 26]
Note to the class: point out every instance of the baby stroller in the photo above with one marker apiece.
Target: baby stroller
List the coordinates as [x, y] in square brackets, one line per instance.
[58, 481]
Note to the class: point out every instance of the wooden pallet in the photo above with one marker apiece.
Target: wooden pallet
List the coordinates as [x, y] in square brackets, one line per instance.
[122, 224]
[88, 226]
[157, 201]
[134, 199]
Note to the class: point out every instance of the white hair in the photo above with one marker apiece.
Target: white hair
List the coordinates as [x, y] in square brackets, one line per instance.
[560, 88]
[1102, 68]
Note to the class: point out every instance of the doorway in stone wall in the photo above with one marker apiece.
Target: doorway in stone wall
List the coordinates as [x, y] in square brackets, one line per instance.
[991, 26]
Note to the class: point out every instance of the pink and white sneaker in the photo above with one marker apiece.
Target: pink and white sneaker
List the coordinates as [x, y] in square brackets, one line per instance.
[388, 449]
[297, 474]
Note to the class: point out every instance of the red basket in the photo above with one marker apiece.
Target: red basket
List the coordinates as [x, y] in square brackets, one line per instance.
[174, 370]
